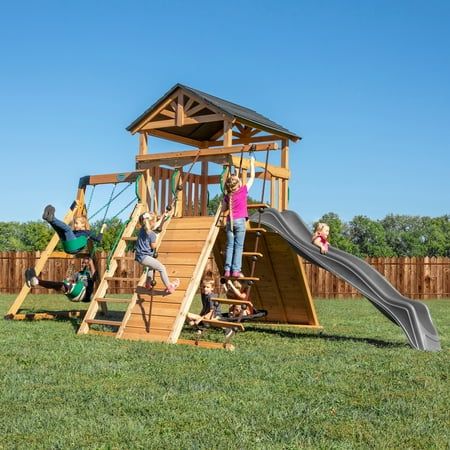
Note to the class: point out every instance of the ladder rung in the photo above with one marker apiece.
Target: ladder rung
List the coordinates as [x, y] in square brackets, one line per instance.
[255, 230]
[259, 255]
[245, 278]
[223, 324]
[121, 279]
[129, 238]
[230, 301]
[125, 258]
[113, 300]
[114, 323]
[257, 205]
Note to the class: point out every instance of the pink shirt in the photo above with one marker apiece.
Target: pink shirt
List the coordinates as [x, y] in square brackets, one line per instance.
[237, 203]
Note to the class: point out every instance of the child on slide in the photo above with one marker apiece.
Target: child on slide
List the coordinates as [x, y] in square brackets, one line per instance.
[68, 235]
[320, 237]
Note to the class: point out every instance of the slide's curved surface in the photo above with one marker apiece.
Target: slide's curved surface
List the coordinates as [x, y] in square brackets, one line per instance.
[412, 316]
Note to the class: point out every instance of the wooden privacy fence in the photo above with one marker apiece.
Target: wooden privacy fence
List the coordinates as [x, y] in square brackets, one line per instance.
[418, 278]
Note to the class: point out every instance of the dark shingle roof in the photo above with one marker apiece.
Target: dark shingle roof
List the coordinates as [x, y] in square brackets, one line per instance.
[228, 108]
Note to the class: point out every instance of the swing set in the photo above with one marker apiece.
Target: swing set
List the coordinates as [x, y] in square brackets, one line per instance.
[221, 134]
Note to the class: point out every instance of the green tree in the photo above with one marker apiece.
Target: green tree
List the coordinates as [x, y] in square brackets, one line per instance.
[34, 235]
[9, 236]
[369, 236]
[113, 228]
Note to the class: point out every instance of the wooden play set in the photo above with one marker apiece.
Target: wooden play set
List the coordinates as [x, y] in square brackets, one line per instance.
[221, 135]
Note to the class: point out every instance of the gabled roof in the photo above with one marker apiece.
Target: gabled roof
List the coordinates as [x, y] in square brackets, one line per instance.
[221, 106]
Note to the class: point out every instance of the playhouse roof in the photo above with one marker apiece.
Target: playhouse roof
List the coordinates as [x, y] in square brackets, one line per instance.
[206, 131]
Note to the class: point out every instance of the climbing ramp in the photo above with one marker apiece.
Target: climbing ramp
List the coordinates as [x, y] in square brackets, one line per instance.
[184, 247]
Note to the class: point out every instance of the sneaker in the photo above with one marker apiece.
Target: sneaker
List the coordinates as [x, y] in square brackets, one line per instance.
[229, 333]
[173, 286]
[236, 274]
[31, 279]
[226, 274]
[49, 213]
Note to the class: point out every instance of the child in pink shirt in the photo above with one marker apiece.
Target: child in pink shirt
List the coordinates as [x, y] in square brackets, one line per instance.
[235, 208]
[320, 237]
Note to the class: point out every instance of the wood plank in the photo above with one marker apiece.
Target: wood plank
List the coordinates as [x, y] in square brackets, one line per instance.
[113, 178]
[173, 246]
[151, 321]
[113, 323]
[168, 123]
[190, 154]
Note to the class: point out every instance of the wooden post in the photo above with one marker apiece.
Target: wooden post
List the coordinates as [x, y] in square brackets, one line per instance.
[227, 133]
[179, 113]
[143, 144]
[180, 196]
[204, 189]
[272, 191]
[285, 165]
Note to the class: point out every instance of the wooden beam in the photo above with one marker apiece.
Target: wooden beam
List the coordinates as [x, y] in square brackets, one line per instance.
[196, 109]
[204, 188]
[111, 178]
[285, 165]
[217, 151]
[276, 171]
[139, 126]
[188, 105]
[173, 137]
[143, 144]
[227, 133]
[168, 113]
[186, 121]
[179, 117]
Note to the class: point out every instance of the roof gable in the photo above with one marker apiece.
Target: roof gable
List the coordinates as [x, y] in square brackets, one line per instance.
[205, 114]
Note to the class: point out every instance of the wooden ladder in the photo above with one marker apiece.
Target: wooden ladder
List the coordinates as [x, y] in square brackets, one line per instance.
[100, 300]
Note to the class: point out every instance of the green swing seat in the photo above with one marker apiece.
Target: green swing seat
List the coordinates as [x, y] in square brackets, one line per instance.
[75, 245]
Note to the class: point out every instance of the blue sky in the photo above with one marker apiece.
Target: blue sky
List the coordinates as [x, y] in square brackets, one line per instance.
[365, 83]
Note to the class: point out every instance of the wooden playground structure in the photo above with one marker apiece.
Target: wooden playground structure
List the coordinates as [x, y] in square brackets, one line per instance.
[220, 135]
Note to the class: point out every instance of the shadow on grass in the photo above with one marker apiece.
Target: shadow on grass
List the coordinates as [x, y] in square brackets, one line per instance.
[75, 317]
[327, 337]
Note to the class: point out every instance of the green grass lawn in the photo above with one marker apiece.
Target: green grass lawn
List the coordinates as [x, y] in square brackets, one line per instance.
[356, 385]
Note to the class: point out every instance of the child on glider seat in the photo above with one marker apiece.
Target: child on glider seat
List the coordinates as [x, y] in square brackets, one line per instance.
[73, 239]
[235, 209]
[320, 237]
[210, 309]
[145, 252]
[78, 288]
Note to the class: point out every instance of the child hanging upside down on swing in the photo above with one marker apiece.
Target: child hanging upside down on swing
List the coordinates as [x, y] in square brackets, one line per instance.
[73, 239]
[78, 287]
[145, 252]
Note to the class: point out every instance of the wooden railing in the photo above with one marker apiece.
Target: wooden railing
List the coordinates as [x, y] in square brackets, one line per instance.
[418, 278]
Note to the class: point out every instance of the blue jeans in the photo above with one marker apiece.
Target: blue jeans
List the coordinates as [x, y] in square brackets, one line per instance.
[63, 230]
[235, 245]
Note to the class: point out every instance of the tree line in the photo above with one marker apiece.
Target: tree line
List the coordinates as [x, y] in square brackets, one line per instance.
[395, 235]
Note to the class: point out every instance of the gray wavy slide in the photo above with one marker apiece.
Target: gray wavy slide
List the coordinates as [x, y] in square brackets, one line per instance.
[412, 316]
